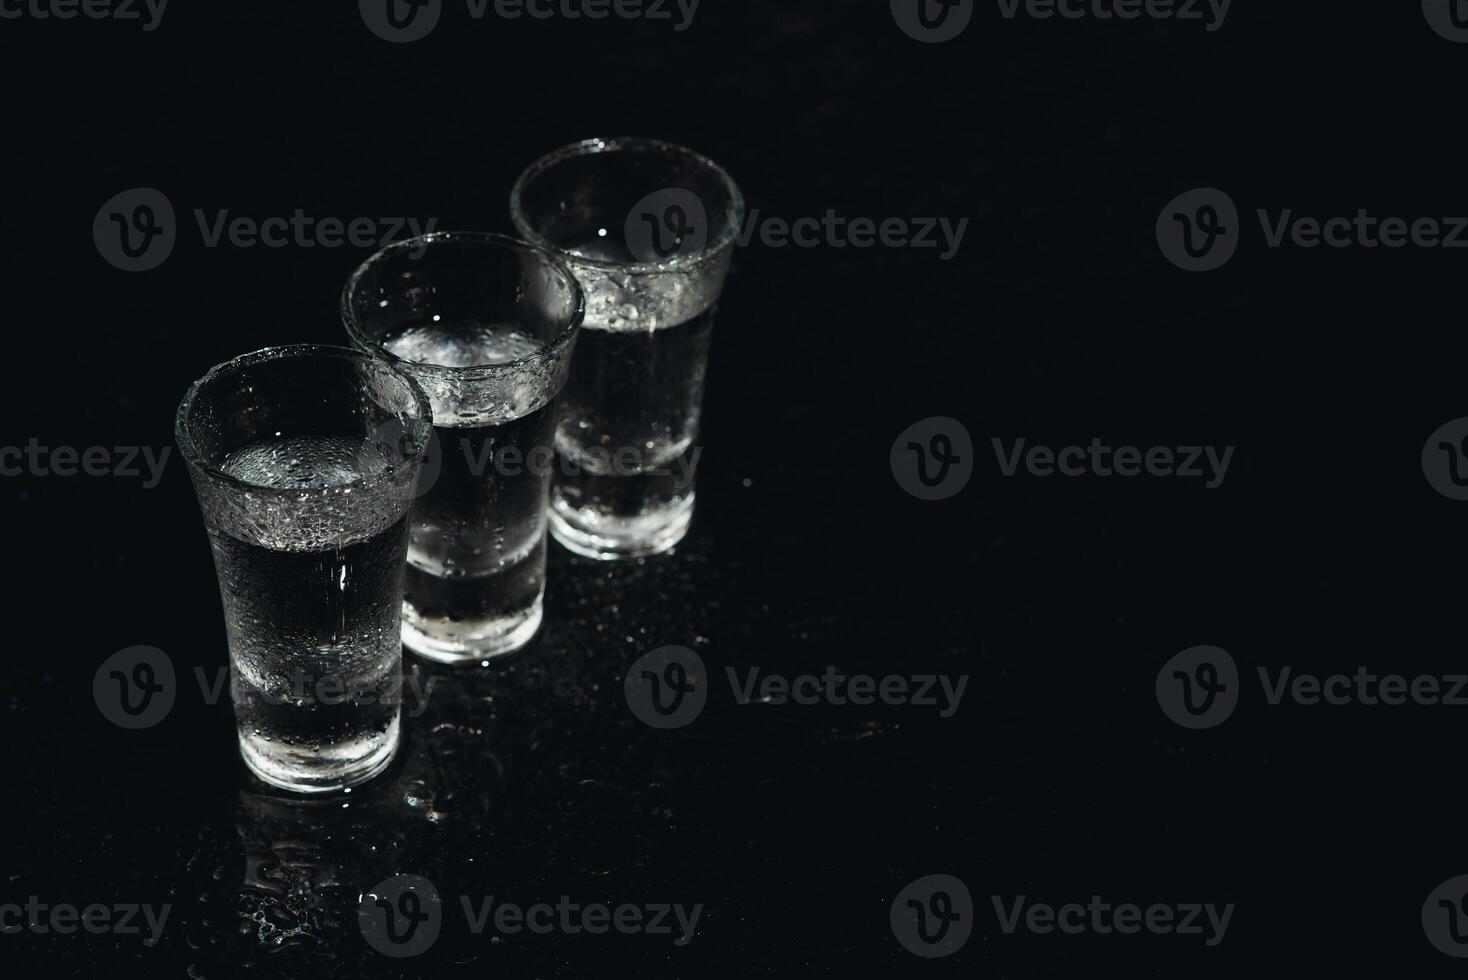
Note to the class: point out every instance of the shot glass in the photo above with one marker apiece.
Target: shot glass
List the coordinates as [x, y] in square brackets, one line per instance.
[487, 325]
[649, 230]
[304, 461]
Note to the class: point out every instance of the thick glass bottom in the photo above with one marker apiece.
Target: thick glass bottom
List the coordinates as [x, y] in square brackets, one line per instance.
[610, 538]
[322, 769]
[464, 641]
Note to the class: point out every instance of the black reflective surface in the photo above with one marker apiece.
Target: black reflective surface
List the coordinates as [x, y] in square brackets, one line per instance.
[1057, 321]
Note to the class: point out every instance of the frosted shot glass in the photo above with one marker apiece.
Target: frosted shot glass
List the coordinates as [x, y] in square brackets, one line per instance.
[649, 229]
[304, 460]
[487, 325]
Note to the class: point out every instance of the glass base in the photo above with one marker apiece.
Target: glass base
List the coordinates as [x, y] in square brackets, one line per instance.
[335, 767]
[470, 641]
[610, 539]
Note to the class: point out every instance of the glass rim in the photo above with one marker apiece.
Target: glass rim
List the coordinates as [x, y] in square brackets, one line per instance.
[195, 458]
[612, 144]
[551, 349]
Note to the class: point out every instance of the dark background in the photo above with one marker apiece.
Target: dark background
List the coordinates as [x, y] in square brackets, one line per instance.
[1059, 320]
